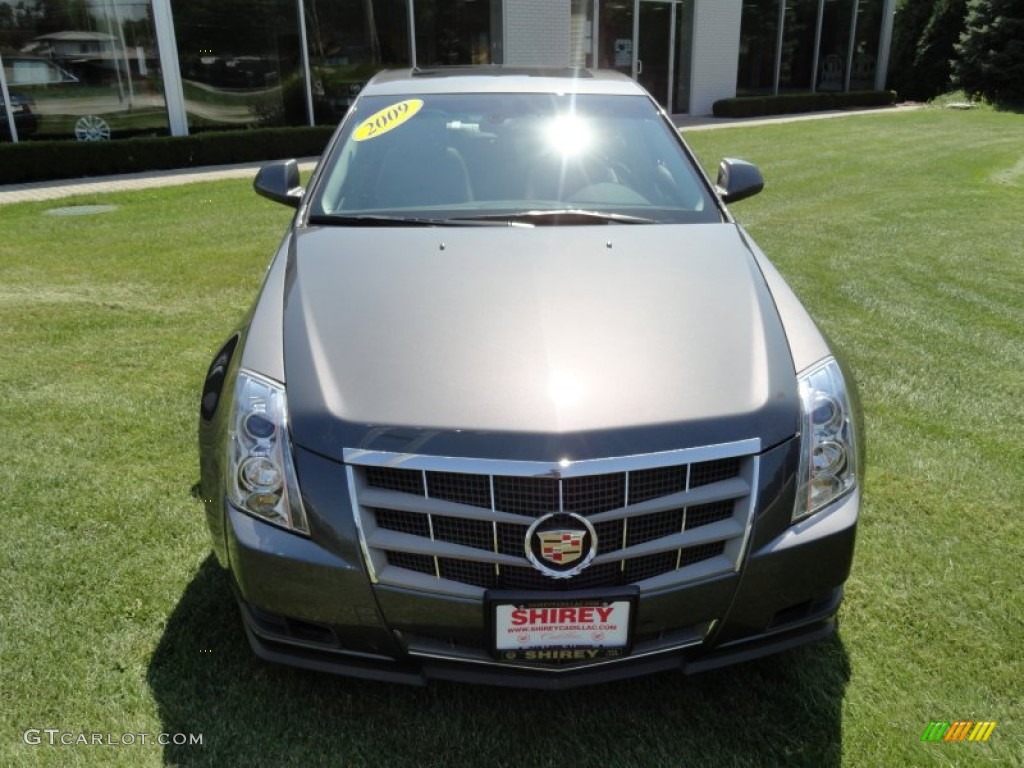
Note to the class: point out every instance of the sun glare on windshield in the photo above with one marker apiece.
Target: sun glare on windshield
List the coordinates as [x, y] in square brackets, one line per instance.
[569, 135]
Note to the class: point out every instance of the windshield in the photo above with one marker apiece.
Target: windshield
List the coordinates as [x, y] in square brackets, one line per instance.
[527, 158]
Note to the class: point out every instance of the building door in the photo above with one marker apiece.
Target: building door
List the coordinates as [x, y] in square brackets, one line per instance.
[654, 48]
[615, 34]
[640, 39]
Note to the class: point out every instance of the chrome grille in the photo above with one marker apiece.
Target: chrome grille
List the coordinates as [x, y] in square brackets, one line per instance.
[458, 526]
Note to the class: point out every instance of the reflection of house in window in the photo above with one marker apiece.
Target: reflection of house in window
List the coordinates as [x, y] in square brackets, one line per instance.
[73, 43]
[92, 57]
[26, 69]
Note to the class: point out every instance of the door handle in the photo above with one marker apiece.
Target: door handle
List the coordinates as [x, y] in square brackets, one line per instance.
[639, 67]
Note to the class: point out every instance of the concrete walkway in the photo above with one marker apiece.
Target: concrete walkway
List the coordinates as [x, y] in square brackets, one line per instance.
[55, 190]
[700, 123]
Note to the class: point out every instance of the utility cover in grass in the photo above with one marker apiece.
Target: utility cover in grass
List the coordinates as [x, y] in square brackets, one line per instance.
[80, 210]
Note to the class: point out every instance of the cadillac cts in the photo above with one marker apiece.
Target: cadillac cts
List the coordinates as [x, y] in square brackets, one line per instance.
[519, 402]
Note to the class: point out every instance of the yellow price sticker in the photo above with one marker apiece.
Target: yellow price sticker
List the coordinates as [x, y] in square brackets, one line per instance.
[387, 119]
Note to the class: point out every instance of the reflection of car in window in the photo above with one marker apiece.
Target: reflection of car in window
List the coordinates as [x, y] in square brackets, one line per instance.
[83, 81]
[520, 402]
[26, 121]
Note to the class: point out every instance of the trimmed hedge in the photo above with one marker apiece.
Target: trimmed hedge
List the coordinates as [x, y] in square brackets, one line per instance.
[791, 103]
[30, 161]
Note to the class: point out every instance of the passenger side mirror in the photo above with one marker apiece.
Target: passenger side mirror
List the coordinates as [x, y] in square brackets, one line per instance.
[280, 182]
[737, 180]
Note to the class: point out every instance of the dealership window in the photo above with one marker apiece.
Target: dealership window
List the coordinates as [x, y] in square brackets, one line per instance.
[615, 34]
[684, 55]
[349, 41]
[459, 32]
[800, 29]
[759, 31]
[865, 46]
[86, 70]
[240, 63]
[823, 45]
[835, 45]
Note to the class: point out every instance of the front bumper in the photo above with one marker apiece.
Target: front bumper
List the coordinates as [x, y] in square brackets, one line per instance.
[309, 606]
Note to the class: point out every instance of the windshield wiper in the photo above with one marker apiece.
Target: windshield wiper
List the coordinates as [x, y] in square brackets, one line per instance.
[561, 216]
[383, 220]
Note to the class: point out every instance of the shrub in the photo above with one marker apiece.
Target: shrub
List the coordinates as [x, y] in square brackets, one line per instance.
[791, 103]
[43, 160]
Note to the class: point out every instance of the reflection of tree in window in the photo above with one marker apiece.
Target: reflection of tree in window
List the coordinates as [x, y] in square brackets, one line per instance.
[349, 41]
[869, 21]
[798, 45]
[458, 32]
[240, 73]
[758, 36]
[835, 41]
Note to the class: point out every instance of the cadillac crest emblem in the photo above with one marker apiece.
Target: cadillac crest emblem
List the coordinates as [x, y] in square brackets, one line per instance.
[561, 544]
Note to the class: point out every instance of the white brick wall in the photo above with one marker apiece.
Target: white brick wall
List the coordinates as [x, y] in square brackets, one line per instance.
[537, 32]
[716, 53]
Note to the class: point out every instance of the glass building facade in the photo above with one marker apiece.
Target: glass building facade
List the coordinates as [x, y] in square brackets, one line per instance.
[106, 69]
[80, 68]
[809, 45]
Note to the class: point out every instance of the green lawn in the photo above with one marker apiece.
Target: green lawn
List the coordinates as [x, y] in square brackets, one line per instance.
[904, 235]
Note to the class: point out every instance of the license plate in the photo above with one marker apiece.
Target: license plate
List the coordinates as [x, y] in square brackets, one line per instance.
[560, 630]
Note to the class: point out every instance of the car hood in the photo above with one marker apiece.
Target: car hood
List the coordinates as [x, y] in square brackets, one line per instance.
[532, 343]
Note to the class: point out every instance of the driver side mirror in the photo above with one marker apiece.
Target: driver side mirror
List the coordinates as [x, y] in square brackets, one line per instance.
[280, 182]
[737, 180]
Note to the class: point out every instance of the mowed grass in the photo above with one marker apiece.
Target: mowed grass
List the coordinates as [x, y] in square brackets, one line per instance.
[904, 235]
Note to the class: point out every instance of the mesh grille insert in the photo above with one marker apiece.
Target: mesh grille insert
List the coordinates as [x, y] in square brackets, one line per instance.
[649, 484]
[533, 496]
[474, 490]
[389, 479]
[403, 522]
[708, 472]
[656, 526]
[421, 563]
[705, 514]
[591, 495]
[469, 533]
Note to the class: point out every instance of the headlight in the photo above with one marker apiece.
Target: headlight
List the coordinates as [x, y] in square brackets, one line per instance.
[261, 474]
[828, 450]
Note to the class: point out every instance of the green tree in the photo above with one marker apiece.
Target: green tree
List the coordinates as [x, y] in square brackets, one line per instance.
[924, 45]
[991, 62]
[61, 16]
[908, 26]
[936, 50]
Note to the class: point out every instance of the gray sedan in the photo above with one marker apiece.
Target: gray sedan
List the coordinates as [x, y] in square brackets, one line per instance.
[519, 402]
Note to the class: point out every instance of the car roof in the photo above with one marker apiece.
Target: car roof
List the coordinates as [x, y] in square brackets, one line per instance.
[500, 79]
